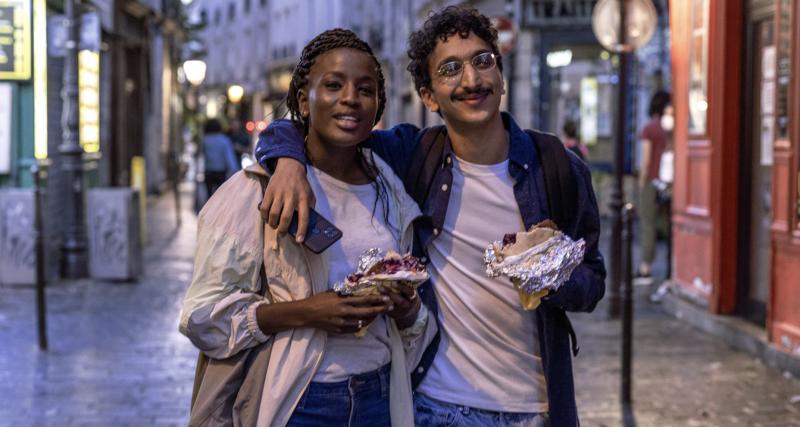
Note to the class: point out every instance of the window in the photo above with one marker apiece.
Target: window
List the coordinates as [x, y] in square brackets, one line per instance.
[231, 11]
[698, 67]
[246, 6]
[217, 16]
[784, 42]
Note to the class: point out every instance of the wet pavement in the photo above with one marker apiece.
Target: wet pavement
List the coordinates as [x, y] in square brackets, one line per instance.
[117, 359]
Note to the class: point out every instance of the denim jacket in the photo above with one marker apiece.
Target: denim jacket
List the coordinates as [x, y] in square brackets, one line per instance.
[582, 291]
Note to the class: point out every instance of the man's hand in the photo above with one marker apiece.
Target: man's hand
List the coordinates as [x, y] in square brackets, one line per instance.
[405, 305]
[288, 191]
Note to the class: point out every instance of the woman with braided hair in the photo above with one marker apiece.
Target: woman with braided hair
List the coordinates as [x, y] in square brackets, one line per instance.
[319, 372]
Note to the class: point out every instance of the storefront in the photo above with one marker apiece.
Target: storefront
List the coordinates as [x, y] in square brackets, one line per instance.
[736, 212]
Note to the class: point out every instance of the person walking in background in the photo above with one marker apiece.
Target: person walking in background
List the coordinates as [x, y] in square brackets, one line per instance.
[220, 158]
[654, 138]
[240, 138]
[572, 142]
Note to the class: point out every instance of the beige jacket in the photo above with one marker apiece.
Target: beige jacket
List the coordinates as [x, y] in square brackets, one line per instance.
[218, 313]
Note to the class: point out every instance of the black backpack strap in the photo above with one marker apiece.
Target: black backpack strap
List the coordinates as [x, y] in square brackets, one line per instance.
[427, 158]
[562, 191]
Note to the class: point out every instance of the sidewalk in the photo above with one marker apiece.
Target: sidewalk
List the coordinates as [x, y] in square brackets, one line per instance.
[117, 359]
[681, 377]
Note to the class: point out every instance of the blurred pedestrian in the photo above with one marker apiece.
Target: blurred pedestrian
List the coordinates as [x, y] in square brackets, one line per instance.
[572, 142]
[240, 137]
[220, 158]
[319, 372]
[653, 142]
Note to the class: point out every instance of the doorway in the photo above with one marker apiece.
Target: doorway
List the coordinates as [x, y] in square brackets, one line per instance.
[756, 165]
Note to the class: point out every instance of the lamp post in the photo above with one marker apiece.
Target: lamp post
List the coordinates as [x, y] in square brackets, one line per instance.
[195, 72]
[622, 26]
[74, 262]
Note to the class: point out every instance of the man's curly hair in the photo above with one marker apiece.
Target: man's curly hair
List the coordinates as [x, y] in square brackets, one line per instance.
[452, 20]
[325, 41]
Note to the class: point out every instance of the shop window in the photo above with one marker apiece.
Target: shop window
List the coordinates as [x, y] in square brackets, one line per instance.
[698, 68]
[784, 42]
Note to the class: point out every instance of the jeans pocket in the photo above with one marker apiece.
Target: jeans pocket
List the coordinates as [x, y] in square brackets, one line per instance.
[429, 413]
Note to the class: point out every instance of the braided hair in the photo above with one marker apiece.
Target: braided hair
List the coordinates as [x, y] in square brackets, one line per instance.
[322, 43]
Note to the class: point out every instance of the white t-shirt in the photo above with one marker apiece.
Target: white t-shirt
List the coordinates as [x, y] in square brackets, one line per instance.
[350, 208]
[489, 354]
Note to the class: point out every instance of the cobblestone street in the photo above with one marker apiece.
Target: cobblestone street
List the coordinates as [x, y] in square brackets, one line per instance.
[117, 359]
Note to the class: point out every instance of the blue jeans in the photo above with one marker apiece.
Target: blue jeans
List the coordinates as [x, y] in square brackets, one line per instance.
[429, 412]
[360, 401]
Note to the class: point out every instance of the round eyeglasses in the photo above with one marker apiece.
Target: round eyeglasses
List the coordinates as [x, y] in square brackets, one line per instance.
[481, 62]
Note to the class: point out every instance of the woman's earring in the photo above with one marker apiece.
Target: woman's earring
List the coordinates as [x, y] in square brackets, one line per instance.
[304, 114]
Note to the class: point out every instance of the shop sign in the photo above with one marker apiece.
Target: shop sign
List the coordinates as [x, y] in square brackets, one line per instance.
[5, 128]
[89, 100]
[15, 40]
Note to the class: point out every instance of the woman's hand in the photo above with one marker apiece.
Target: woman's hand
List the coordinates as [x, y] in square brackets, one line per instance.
[405, 305]
[327, 311]
[343, 314]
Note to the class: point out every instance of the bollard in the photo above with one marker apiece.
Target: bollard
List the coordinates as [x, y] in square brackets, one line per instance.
[41, 306]
[627, 312]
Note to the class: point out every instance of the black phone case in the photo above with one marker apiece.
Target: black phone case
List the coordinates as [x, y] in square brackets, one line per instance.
[321, 233]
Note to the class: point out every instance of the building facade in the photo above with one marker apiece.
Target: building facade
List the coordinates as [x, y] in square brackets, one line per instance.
[127, 108]
[736, 208]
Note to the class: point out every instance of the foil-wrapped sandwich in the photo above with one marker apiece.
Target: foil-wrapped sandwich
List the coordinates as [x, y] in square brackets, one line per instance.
[536, 261]
[377, 271]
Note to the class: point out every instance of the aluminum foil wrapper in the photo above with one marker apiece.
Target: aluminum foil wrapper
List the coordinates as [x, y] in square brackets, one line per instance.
[546, 265]
[367, 285]
[369, 258]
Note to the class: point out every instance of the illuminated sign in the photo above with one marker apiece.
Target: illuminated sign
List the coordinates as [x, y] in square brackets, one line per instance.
[5, 128]
[89, 100]
[40, 79]
[15, 40]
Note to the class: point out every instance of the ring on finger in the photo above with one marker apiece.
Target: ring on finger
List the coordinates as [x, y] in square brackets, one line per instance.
[413, 296]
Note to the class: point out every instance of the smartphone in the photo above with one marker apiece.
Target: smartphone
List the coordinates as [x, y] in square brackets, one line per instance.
[321, 233]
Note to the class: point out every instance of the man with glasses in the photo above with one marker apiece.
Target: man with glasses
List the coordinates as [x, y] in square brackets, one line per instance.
[495, 364]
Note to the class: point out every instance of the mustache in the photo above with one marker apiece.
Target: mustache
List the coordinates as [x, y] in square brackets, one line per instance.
[481, 90]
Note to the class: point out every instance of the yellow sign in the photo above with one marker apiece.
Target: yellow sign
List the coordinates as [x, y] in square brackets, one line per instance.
[89, 100]
[40, 79]
[15, 40]
[139, 182]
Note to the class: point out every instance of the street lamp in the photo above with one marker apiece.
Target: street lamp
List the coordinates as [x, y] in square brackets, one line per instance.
[622, 26]
[195, 71]
[235, 93]
[74, 262]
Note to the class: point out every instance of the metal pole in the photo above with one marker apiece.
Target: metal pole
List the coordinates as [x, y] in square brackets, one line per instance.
[618, 192]
[74, 257]
[627, 303]
[41, 307]
[512, 59]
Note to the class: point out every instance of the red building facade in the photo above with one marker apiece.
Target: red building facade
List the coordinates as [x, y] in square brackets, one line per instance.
[736, 208]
